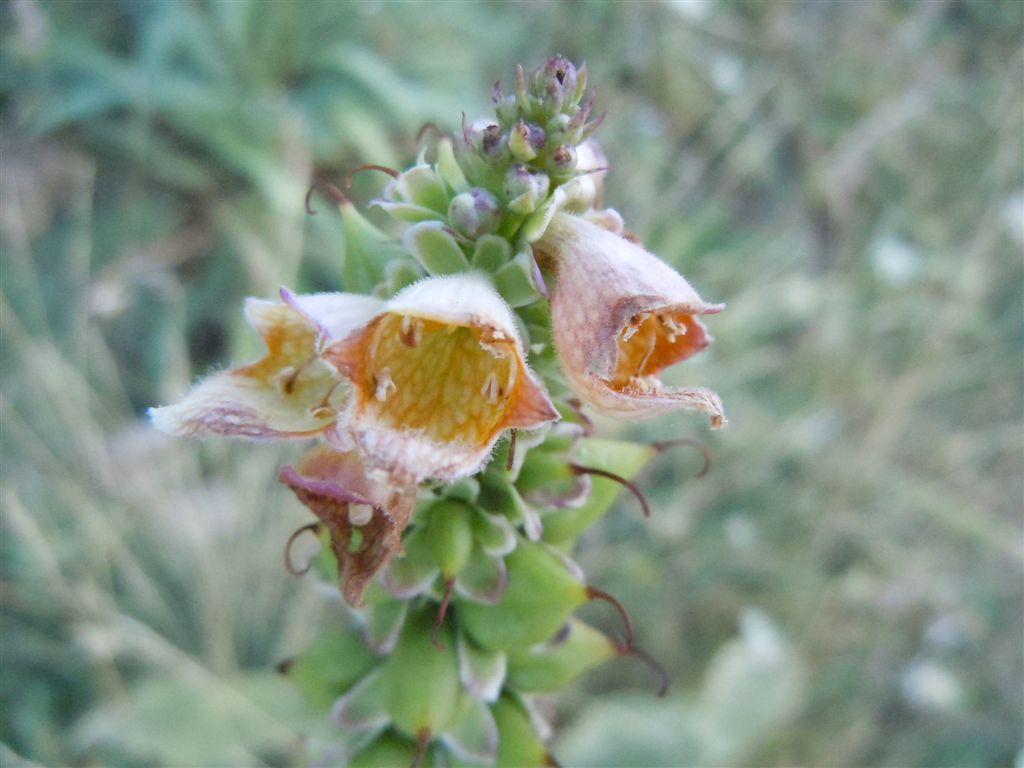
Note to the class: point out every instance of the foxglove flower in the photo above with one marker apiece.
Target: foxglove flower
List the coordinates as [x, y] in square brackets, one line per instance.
[437, 376]
[364, 515]
[619, 316]
[289, 392]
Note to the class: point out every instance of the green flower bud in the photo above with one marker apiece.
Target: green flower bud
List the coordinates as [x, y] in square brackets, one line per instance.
[525, 140]
[449, 535]
[562, 161]
[419, 682]
[578, 648]
[541, 594]
[387, 749]
[475, 212]
[328, 668]
[524, 189]
[519, 744]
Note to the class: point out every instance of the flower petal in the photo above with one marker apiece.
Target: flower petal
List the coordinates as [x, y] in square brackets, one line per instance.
[364, 516]
[619, 316]
[287, 393]
[437, 377]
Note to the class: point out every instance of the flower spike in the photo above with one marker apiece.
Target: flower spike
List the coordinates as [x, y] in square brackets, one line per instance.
[619, 316]
[437, 377]
[287, 393]
[364, 516]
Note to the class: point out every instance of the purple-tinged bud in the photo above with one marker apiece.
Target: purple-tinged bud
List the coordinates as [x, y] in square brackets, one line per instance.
[525, 140]
[525, 189]
[494, 145]
[475, 212]
[556, 77]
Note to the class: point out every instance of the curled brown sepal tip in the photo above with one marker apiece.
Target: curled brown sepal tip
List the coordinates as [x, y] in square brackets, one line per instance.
[593, 593]
[581, 470]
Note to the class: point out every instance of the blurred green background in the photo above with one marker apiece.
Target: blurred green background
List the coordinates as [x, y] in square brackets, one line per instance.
[843, 589]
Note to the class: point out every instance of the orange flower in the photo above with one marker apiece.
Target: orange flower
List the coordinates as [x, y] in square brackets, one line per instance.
[437, 377]
[619, 316]
[289, 392]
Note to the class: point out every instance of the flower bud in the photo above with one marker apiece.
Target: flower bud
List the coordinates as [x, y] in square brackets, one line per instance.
[555, 82]
[525, 140]
[562, 161]
[475, 212]
[494, 145]
[525, 189]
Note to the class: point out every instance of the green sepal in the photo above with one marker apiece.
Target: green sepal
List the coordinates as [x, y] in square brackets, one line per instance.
[414, 572]
[420, 185]
[541, 594]
[517, 280]
[419, 681]
[481, 672]
[449, 535]
[368, 251]
[537, 222]
[465, 489]
[498, 492]
[491, 253]
[330, 666]
[519, 744]
[383, 623]
[388, 749]
[562, 526]
[557, 663]
[435, 249]
[493, 533]
[448, 167]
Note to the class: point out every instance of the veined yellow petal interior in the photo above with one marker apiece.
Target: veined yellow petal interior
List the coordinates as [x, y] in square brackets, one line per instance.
[651, 341]
[453, 382]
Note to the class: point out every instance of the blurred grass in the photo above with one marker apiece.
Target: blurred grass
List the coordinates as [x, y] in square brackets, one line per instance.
[847, 176]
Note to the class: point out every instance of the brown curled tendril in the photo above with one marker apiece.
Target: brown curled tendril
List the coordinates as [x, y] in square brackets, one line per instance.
[288, 564]
[511, 450]
[664, 445]
[422, 742]
[593, 593]
[429, 126]
[653, 663]
[328, 189]
[581, 470]
[369, 167]
[442, 611]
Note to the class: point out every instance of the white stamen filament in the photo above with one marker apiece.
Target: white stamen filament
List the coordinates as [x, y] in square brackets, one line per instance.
[490, 388]
[385, 385]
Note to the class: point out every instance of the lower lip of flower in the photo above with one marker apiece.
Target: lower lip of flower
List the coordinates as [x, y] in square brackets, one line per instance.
[651, 341]
[451, 382]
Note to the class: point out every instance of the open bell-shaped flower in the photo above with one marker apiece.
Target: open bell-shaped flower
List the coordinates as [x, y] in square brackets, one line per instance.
[365, 515]
[289, 392]
[437, 376]
[619, 316]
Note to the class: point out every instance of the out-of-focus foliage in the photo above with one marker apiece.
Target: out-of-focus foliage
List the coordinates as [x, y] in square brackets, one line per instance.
[844, 588]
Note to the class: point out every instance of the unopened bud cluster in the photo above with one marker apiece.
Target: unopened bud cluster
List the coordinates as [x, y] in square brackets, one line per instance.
[455, 467]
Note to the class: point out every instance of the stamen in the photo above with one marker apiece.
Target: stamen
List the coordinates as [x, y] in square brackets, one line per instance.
[289, 375]
[511, 450]
[593, 593]
[359, 514]
[490, 389]
[652, 341]
[288, 564]
[412, 331]
[442, 609]
[580, 470]
[383, 385]
[653, 663]
[324, 409]
[704, 451]
[329, 189]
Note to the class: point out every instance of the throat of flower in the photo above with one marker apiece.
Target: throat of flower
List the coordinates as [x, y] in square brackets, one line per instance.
[450, 382]
[651, 341]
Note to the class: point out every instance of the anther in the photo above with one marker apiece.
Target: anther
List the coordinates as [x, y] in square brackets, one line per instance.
[442, 610]
[369, 167]
[327, 188]
[411, 332]
[581, 470]
[593, 593]
[664, 445]
[359, 514]
[288, 564]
